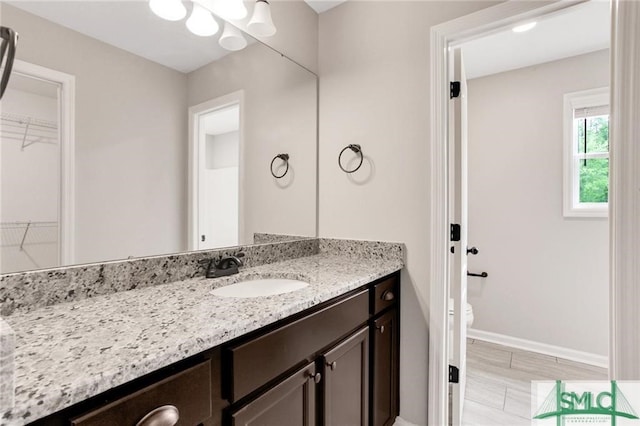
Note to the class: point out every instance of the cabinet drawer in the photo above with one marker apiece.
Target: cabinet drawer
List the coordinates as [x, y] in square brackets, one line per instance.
[385, 294]
[254, 363]
[189, 391]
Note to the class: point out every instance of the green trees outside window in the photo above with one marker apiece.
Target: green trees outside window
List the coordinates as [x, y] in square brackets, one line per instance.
[594, 172]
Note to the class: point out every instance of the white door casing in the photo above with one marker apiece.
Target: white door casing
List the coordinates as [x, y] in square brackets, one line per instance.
[442, 37]
[624, 194]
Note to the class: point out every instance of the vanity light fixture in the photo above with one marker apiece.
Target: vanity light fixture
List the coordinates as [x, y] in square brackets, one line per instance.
[524, 27]
[231, 9]
[201, 22]
[171, 10]
[231, 38]
[261, 23]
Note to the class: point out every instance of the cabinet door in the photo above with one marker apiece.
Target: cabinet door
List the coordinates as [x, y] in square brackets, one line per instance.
[385, 364]
[346, 384]
[292, 402]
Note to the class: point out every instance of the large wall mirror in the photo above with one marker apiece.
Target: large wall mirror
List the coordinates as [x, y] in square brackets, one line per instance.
[125, 135]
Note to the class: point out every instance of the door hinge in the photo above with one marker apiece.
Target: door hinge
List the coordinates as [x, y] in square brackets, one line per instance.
[454, 89]
[455, 232]
[454, 374]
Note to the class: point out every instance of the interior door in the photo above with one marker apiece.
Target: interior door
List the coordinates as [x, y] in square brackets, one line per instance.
[458, 215]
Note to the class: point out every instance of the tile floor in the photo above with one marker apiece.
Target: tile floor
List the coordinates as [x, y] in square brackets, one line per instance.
[499, 382]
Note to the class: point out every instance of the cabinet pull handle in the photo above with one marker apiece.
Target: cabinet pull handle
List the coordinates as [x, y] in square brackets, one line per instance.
[316, 377]
[167, 415]
[332, 365]
[381, 328]
[388, 296]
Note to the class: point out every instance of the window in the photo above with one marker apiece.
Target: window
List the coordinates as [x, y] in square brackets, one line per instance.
[586, 153]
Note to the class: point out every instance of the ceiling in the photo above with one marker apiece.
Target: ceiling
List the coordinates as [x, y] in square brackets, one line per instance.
[222, 121]
[582, 29]
[133, 27]
[577, 30]
[139, 30]
[323, 5]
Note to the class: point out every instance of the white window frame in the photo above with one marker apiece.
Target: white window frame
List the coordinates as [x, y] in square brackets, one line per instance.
[572, 206]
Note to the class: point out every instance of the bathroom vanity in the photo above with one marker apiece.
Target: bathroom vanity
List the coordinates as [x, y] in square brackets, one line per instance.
[324, 354]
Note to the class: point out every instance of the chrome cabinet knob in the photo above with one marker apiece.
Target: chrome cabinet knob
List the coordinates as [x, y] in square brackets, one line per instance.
[388, 296]
[167, 415]
[381, 328]
[332, 365]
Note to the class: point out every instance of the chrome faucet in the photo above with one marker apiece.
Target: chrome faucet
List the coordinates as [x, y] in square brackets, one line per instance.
[224, 266]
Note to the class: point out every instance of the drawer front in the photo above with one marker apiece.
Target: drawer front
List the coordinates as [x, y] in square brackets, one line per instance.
[188, 391]
[258, 361]
[385, 294]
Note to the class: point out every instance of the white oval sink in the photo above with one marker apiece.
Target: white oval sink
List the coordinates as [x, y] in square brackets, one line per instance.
[258, 288]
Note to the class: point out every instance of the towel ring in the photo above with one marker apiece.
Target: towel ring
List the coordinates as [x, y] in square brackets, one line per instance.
[283, 157]
[355, 148]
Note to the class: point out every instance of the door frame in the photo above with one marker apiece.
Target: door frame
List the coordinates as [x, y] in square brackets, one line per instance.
[624, 298]
[195, 112]
[67, 192]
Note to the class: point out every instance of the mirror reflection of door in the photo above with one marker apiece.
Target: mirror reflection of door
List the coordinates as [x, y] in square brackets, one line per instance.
[219, 177]
[30, 175]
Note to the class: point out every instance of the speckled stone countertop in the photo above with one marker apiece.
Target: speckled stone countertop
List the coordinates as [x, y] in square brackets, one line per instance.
[69, 352]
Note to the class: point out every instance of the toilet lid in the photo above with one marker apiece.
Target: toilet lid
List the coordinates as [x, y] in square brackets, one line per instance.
[451, 309]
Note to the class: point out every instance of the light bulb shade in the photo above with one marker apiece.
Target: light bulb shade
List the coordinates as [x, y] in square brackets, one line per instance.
[261, 23]
[171, 10]
[201, 22]
[231, 38]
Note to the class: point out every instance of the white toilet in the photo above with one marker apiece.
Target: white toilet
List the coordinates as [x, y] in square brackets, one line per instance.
[469, 314]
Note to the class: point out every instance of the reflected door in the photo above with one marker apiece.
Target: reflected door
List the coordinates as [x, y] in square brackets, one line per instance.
[218, 139]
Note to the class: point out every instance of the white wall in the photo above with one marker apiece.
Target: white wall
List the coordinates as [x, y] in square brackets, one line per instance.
[29, 187]
[219, 214]
[279, 117]
[131, 151]
[374, 90]
[548, 275]
[297, 31]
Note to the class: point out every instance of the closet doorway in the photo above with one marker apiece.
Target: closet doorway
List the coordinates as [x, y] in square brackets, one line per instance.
[36, 165]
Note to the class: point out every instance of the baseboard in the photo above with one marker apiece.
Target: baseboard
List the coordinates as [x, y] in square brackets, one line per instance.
[543, 348]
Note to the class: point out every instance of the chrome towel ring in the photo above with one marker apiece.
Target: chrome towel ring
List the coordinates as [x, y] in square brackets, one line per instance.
[355, 148]
[283, 157]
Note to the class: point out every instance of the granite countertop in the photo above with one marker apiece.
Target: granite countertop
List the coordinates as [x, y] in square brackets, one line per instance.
[69, 352]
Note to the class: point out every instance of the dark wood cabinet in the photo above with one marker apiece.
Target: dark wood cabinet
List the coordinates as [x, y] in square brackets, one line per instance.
[385, 368]
[291, 402]
[253, 362]
[336, 363]
[346, 382]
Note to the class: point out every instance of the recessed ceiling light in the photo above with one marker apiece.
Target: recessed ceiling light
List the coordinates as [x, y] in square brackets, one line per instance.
[524, 27]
